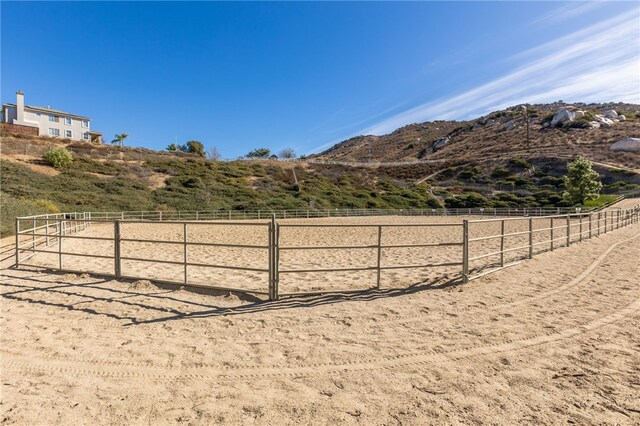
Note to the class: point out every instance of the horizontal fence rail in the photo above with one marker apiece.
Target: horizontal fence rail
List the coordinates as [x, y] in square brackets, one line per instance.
[193, 248]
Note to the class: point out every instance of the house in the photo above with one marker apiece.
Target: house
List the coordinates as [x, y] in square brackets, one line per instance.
[48, 122]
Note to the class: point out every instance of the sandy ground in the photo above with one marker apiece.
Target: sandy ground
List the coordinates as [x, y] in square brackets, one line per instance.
[144, 257]
[552, 340]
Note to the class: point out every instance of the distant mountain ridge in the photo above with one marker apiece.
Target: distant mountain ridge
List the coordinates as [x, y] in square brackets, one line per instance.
[498, 133]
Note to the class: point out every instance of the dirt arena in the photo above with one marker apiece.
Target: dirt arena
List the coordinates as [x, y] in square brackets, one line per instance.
[143, 256]
[551, 340]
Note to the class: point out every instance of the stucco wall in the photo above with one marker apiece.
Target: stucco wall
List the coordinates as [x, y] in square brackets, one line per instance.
[41, 120]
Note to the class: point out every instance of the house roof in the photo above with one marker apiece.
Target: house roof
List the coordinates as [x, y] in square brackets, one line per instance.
[50, 111]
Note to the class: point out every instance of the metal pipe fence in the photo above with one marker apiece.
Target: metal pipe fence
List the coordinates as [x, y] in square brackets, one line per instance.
[179, 250]
[316, 213]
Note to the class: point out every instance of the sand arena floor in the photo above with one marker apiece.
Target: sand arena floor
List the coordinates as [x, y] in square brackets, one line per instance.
[350, 232]
[552, 340]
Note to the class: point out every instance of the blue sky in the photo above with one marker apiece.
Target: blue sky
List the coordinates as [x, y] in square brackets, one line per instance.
[306, 75]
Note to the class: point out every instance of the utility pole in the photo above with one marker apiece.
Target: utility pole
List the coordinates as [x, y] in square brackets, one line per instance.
[525, 111]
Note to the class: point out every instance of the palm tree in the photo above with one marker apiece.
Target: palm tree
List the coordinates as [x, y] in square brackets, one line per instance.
[119, 139]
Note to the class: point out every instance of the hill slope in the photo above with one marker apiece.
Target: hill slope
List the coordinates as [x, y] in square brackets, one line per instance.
[486, 138]
[484, 166]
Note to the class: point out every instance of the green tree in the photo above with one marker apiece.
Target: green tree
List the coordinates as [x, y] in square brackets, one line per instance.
[195, 147]
[582, 183]
[173, 147]
[259, 153]
[58, 157]
[118, 139]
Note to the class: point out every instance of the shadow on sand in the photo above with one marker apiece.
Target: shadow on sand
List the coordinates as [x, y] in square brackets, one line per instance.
[166, 295]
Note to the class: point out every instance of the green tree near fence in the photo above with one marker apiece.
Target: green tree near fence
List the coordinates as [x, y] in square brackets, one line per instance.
[582, 183]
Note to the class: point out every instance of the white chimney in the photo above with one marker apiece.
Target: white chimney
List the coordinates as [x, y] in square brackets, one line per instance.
[19, 107]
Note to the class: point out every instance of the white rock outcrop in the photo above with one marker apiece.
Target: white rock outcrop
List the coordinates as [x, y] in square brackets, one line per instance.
[562, 116]
[627, 144]
[567, 115]
[604, 121]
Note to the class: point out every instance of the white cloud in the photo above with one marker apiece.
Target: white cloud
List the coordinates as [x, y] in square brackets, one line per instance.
[570, 10]
[600, 63]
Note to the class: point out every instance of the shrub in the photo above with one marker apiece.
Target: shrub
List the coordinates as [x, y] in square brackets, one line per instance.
[520, 162]
[13, 207]
[472, 174]
[500, 172]
[470, 199]
[58, 157]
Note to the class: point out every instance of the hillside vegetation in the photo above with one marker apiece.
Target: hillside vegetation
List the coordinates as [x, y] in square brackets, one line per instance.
[484, 168]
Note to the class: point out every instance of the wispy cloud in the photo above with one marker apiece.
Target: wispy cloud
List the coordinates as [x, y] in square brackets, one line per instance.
[599, 63]
[568, 11]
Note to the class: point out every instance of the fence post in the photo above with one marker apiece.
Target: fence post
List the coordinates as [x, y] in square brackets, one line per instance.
[598, 227]
[270, 227]
[580, 239]
[116, 248]
[185, 253]
[605, 222]
[551, 234]
[47, 228]
[276, 260]
[465, 251]
[530, 237]
[502, 242]
[17, 242]
[379, 255]
[568, 230]
[61, 232]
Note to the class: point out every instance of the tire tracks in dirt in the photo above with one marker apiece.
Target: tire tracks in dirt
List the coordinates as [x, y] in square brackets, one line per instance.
[117, 369]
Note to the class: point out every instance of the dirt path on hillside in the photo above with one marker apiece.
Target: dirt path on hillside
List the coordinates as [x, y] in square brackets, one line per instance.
[550, 341]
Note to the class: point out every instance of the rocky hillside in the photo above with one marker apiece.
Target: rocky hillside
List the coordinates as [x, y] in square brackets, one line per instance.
[486, 163]
[556, 130]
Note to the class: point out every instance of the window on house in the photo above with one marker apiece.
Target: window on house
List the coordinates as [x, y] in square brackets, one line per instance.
[85, 123]
[52, 118]
[37, 114]
[67, 121]
[68, 133]
[54, 132]
[85, 136]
